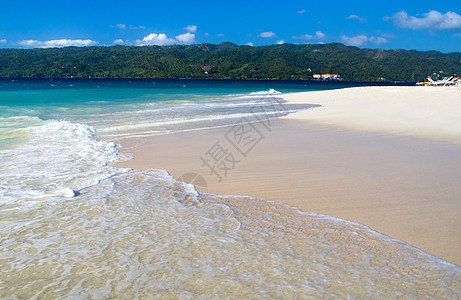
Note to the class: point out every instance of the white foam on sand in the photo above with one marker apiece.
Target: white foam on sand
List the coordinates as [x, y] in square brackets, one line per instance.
[142, 233]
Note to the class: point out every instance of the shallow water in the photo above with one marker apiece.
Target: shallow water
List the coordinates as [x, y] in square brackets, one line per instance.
[145, 235]
[72, 226]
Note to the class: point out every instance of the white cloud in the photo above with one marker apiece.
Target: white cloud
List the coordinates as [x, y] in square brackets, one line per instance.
[250, 44]
[2, 41]
[131, 27]
[357, 18]
[320, 35]
[362, 40]
[118, 42]
[162, 39]
[119, 26]
[280, 42]
[220, 35]
[57, 43]
[431, 20]
[378, 40]
[267, 34]
[186, 38]
[301, 11]
[155, 39]
[191, 28]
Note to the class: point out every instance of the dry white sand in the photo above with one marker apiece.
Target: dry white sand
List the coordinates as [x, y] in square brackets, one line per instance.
[386, 157]
[425, 112]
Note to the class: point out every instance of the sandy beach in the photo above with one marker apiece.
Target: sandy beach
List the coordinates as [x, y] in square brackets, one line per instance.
[386, 157]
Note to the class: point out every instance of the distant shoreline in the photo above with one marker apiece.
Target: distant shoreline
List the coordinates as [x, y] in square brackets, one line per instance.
[339, 82]
[229, 61]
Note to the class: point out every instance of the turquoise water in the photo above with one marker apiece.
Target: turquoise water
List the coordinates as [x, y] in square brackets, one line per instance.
[53, 98]
[142, 106]
[72, 226]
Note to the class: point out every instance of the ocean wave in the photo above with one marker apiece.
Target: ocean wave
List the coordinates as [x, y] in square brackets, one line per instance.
[236, 102]
[21, 118]
[171, 125]
[58, 159]
[269, 92]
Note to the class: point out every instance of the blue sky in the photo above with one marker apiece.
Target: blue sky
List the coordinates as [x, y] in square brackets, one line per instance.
[420, 25]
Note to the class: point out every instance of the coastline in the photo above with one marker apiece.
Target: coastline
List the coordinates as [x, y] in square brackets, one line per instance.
[353, 159]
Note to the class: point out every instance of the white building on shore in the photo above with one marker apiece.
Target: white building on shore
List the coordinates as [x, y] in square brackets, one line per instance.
[327, 76]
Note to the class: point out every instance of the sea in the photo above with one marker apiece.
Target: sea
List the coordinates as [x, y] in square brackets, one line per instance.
[72, 226]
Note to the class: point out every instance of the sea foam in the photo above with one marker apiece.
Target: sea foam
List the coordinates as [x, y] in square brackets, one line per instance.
[269, 92]
[59, 158]
[142, 234]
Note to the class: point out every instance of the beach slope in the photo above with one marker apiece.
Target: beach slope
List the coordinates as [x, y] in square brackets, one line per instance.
[386, 157]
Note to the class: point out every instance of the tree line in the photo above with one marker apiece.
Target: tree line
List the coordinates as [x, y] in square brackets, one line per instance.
[229, 61]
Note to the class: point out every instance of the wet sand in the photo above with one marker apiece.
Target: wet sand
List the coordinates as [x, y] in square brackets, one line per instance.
[398, 173]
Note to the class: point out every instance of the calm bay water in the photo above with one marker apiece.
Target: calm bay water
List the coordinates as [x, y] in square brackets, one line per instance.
[74, 227]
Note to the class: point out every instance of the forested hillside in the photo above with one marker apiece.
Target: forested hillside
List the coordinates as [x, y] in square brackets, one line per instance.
[228, 60]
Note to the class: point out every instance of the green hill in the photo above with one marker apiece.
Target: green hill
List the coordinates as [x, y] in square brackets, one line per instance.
[228, 60]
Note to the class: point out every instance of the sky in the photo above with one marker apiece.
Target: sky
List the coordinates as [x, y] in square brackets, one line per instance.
[420, 25]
